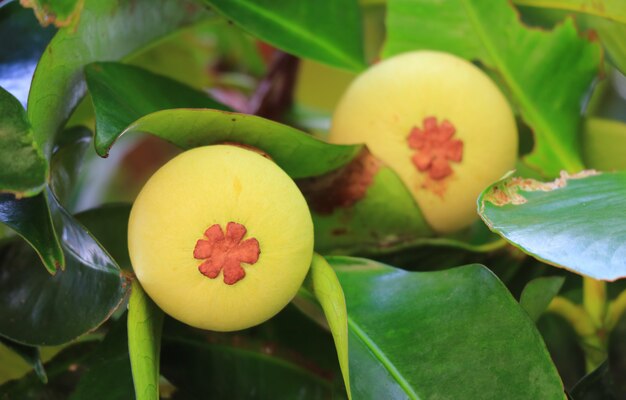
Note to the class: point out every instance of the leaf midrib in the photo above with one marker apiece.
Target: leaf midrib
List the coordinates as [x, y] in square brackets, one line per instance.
[297, 31]
[380, 355]
[531, 111]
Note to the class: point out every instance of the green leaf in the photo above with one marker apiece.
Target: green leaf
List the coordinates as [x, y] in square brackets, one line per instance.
[322, 283]
[386, 216]
[617, 357]
[547, 73]
[453, 334]
[122, 94]
[598, 385]
[58, 84]
[108, 370]
[612, 37]
[68, 304]
[145, 323]
[63, 368]
[29, 354]
[607, 18]
[57, 12]
[538, 294]
[564, 346]
[576, 222]
[66, 165]
[109, 225]
[604, 142]
[328, 31]
[299, 154]
[614, 10]
[30, 218]
[23, 169]
[204, 369]
[19, 56]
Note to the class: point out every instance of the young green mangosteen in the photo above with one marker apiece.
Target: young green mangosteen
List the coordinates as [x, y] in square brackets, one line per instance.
[439, 122]
[220, 238]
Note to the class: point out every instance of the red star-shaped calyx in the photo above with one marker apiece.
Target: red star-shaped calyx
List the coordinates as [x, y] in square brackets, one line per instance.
[226, 252]
[435, 148]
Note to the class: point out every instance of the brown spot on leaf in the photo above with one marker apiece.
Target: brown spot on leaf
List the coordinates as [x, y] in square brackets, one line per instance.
[343, 187]
[508, 192]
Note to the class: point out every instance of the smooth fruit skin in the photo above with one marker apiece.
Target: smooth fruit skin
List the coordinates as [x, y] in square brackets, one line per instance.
[217, 185]
[387, 101]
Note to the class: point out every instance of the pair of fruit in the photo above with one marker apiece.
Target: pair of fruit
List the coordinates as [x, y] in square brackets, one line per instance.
[221, 238]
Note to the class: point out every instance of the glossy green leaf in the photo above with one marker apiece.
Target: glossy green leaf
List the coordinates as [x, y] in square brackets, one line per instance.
[538, 294]
[614, 10]
[604, 142]
[547, 73]
[453, 334]
[109, 225]
[299, 154]
[145, 323]
[322, 283]
[19, 56]
[68, 304]
[384, 218]
[56, 12]
[122, 94]
[576, 222]
[30, 218]
[66, 165]
[107, 30]
[29, 354]
[23, 169]
[328, 31]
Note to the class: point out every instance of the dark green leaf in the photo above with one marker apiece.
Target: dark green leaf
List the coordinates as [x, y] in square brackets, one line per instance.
[299, 154]
[617, 357]
[576, 222]
[202, 369]
[23, 169]
[107, 30]
[604, 142]
[564, 346]
[30, 218]
[454, 334]
[68, 304]
[122, 94]
[108, 372]
[109, 225]
[538, 294]
[145, 323]
[63, 371]
[328, 31]
[598, 385]
[66, 163]
[57, 12]
[29, 354]
[19, 56]
[547, 73]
